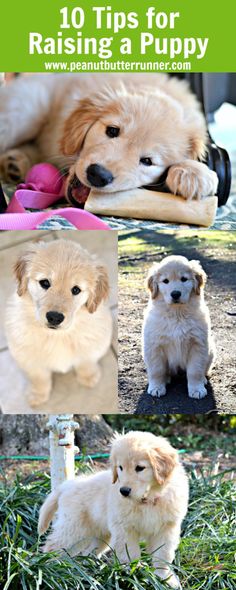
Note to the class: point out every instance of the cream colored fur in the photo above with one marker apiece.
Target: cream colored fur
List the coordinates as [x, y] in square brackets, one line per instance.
[177, 335]
[83, 337]
[64, 117]
[91, 512]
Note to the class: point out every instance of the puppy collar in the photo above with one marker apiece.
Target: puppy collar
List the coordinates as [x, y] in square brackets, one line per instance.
[154, 501]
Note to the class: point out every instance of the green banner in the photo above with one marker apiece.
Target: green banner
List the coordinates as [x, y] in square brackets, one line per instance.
[120, 35]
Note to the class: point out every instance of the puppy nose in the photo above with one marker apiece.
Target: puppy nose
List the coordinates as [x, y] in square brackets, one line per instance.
[54, 318]
[125, 491]
[98, 176]
[175, 295]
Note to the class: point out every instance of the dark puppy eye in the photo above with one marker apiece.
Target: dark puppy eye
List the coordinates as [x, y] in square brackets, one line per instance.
[183, 279]
[112, 131]
[146, 161]
[139, 468]
[45, 284]
[75, 290]
[120, 467]
[166, 281]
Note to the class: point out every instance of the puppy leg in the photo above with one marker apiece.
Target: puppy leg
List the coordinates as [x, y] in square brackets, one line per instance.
[14, 164]
[196, 371]
[40, 388]
[192, 180]
[162, 548]
[88, 373]
[24, 105]
[125, 544]
[156, 365]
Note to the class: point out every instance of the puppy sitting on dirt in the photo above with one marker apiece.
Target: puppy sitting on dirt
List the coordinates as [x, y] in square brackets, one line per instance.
[56, 320]
[143, 497]
[176, 329]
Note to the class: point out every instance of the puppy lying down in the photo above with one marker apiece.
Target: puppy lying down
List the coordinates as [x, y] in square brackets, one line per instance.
[57, 319]
[176, 329]
[111, 132]
[144, 496]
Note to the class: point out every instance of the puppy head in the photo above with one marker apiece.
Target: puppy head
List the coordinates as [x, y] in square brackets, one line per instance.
[175, 280]
[124, 138]
[141, 463]
[59, 278]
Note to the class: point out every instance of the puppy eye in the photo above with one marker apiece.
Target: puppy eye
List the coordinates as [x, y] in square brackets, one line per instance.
[112, 131]
[45, 284]
[139, 468]
[120, 467]
[146, 161]
[166, 281]
[75, 290]
[184, 279]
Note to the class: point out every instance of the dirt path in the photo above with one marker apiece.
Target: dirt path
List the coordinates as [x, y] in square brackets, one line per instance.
[217, 254]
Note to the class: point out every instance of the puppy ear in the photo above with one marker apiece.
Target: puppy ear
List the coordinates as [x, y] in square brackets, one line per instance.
[163, 463]
[114, 474]
[100, 290]
[77, 125]
[199, 276]
[152, 281]
[19, 268]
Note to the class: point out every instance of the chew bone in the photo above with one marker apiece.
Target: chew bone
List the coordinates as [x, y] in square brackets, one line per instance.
[141, 203]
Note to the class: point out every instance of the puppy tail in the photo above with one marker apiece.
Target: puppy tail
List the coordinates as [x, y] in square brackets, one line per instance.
[47, 511]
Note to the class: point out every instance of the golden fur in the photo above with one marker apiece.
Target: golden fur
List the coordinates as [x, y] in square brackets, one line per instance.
[84, 334]
[177, 332]
[66, 120]
[92, 513]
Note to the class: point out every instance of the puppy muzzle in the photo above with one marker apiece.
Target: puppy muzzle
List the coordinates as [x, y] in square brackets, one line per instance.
[54, 319]
[175, 296]
[99, 176]
[125, 492]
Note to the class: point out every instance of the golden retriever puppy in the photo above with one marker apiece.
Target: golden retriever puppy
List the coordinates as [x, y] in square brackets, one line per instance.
[114, 132]
[144, 496]
[56, 320]
[176, 329]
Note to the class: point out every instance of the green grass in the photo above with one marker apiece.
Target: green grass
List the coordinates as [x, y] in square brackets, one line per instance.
[132, 243]
[205, 559]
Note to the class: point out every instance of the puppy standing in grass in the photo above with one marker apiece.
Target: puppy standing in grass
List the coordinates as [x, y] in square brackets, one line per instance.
[144, 496]
[56, 320]
[176, 329]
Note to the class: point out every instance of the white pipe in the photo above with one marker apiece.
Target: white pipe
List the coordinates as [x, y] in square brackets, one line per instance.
[62, 448]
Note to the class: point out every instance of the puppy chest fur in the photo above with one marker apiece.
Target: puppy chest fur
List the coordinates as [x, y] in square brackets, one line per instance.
[171, 336]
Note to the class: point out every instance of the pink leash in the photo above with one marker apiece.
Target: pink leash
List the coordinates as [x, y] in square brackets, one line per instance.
[44, 186]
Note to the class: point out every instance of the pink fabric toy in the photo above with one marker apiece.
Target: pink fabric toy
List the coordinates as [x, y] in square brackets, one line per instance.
[43, 186]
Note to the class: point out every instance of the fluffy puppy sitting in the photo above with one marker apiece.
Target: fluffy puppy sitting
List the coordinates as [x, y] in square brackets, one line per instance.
[144, 496]
[176, 329]
[56, 320]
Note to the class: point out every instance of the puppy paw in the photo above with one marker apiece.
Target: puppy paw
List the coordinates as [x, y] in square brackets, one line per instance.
[36, 398]
[88, 376]
[197, 390]
[172, 580]
[157, 390]
[14, 165]
[192, 180]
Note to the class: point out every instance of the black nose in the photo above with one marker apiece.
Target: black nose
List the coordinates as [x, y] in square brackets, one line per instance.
[98, 175]
[125, 491]
[54, 318]
[175, 295]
